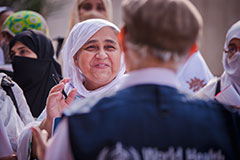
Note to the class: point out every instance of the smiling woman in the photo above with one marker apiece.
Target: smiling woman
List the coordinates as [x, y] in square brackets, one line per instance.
[99, 58]
[92, 57]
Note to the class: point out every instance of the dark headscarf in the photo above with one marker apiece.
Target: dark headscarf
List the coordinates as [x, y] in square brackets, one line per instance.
[34, 76]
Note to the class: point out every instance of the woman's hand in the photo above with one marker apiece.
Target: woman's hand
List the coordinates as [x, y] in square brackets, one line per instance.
[11, 157]
[56, 103]
[40, 141]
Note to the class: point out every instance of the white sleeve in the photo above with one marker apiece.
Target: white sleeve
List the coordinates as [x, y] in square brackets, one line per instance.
[59, 145]
[24, 109]
[5, 145]
[25, 141]
[12, 122]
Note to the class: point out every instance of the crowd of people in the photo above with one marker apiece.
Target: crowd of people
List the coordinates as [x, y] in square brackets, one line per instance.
[117, 93]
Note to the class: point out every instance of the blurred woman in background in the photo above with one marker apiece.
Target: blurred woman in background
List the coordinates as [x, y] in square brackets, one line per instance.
[88, 9]
[226, 89]
[16, 23]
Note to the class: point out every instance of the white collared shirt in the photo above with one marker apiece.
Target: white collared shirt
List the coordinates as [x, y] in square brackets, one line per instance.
[158, 76]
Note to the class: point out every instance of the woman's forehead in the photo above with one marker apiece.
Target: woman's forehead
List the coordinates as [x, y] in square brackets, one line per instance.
[104, 34]
[235, 41]
[90, 1]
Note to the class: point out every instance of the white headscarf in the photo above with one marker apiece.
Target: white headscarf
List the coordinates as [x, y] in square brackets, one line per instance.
[78, 36]
[231, 66]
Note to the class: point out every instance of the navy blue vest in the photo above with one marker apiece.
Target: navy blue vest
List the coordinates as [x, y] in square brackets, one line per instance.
[155, 122]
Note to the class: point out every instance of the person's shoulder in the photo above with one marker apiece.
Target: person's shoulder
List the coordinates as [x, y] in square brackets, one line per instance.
[102, 102]
[138, 95]
[208, 105]
[85, 105]
[198, 102]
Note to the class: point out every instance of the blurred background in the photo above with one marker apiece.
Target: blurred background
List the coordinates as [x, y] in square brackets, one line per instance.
[218, 16]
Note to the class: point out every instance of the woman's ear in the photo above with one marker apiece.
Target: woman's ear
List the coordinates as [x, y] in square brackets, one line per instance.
[75, 59]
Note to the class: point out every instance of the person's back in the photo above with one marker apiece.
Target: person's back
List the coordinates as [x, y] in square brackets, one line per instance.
[155, 121]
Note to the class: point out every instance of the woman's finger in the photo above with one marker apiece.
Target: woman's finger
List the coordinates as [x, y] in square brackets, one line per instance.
[58, 87]
[71, 96]
[65, 80]
[54, 98]
[39, 137]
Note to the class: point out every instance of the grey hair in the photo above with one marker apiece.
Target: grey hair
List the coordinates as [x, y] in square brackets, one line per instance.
[164, 56]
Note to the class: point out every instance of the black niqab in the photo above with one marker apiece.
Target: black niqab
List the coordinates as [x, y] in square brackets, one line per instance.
[34, 76]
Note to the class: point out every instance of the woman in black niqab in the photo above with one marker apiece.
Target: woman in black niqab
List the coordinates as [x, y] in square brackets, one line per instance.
[34, 76]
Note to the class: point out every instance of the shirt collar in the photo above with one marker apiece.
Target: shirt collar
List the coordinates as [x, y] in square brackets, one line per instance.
[157, 76]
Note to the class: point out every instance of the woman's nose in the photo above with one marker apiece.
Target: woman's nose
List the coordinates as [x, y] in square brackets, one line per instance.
[101, 54]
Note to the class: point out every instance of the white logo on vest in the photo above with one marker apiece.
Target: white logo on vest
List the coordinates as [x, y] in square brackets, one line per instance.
[121, 152]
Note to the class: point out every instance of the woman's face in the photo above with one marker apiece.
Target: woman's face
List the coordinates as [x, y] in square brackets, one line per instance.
[19, 49]
[99, 58]
[233, 47]
[91, 9]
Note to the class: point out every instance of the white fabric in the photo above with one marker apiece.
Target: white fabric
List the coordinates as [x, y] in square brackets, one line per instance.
[60, 147]
[7, 67]
[194, 74]
[5, 145]
[10, 118]
[24, 140]
[227, 95]
[231, 66]
[231, 75]
[1, 56]
[25, 113]
[161, 76]
[24, 110]
[14, 124]
[208, 92]
[78, 36]
[223, 96]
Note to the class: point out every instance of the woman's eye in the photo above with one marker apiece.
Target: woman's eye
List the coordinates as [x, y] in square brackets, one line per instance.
[110, 48]
[23, 52]
[100, 7]
[90, 48]
[87, 6]
[232, 48]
